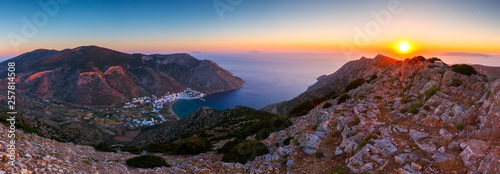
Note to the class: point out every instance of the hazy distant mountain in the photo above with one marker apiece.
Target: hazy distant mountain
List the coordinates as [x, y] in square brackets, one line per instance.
[92, 75]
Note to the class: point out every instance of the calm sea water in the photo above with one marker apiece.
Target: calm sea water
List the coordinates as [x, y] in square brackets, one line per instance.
[269, 78]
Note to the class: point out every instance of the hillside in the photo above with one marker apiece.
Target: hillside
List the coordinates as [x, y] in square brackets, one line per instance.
[414, 116]
[336, 81]
[96, 76]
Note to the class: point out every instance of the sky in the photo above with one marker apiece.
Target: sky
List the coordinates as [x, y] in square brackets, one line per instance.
[274, 26]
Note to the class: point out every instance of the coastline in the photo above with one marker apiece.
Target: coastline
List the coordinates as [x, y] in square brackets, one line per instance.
[171, 109]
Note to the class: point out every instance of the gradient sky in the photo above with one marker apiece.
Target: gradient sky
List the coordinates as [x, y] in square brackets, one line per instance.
[325, 26]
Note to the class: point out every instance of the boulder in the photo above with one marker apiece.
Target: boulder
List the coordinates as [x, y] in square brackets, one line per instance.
[417, 135]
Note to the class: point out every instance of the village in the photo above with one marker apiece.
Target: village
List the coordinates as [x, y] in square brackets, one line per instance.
[152, 116]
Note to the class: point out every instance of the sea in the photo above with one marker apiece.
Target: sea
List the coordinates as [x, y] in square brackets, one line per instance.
[275, 77]
[269, 78]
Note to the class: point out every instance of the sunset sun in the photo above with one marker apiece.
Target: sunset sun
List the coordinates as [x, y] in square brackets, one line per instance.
[403, 46]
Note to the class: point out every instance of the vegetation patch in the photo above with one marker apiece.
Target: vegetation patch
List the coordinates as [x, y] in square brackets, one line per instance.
[427, 107]
[356, 122]
[429, 93]
[147, 161]
[459, 126]
[488, 95]
[181, 147]
[456, 83]
[286, 142]
[319, 154]
[414, 108]
[343, 98]
[373, 77]
[354, 84]
[305, 107]
[245, 151]
[405, 100]
[365, 141]
[103, 147]
[464, 69]
[327, 105]
[340, 170]
[20, 124]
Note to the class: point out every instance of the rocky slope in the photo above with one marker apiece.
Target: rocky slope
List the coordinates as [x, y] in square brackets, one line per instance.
[211, 123]
[334, 82]
[92, 75]
[415, 117]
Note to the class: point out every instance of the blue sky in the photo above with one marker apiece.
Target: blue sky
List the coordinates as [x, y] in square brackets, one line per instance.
[265, 25]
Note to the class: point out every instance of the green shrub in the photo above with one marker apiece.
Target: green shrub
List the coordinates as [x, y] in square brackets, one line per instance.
[314, 127]
[459, 126]
[394, 122]
[168, 147]
[229, 145]
[456, 83]
[327, 105]
[405, 100]
[303, 108]
[378, 97]
[488, 95]
[403, 110]
[319, 154]
[104, 147]
[343, 98]
[354, 84]
[365, 141]
[413, 111]
[340, 170]
[414, 108]
[131, 149]
[245, 151]
[183, 147]
[147, 161]
[420, 96]
[356, 122]
[377, 132]
[193, 147]
[287, 141]
[370, 136]
[429, 93]
[464, 69]
[426, 107]
[361, 145]
[433, 59]
[373, 77]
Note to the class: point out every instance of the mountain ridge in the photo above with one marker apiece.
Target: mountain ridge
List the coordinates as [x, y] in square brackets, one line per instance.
[96, 76]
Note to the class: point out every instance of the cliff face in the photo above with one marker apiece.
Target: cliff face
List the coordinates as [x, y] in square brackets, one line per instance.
[92, 75]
